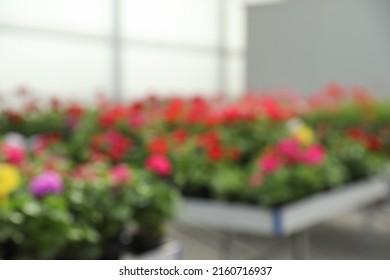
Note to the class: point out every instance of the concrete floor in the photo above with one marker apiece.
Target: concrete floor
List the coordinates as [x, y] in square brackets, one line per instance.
[347, 237]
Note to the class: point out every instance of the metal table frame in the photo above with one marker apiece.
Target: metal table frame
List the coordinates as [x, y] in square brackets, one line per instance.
[293, 220]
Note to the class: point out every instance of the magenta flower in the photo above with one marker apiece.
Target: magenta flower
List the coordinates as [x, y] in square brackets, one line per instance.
[270, 163]
[314, 155]
[137, 120]
[290, 148]
[159, 164]
[120, 174]
[14, 154]
[49, 182]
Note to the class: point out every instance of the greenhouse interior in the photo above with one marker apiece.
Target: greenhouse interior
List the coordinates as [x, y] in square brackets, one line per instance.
[194, 129]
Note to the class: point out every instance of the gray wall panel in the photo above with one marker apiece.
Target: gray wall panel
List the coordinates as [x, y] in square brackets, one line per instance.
[305, 44]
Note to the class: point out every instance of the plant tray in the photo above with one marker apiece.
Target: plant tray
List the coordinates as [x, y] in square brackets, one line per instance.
[288, 219]
[169, 250]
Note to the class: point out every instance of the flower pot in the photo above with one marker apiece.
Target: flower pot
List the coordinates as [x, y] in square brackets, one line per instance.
[8, 250]
[142, 243]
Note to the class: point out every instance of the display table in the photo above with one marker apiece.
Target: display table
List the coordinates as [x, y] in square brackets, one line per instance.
[291, 220]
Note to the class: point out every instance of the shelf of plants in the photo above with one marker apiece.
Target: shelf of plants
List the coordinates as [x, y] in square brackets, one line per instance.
[288, 219]
[94, 181]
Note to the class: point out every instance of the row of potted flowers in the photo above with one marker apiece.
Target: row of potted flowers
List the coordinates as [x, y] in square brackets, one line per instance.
[220, 148]
[51, 207]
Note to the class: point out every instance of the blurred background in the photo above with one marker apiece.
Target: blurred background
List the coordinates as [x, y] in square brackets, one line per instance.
[130, 49]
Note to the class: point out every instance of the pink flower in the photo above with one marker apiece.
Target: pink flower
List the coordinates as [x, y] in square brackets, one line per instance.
[137, 119]
[14, 154]
[120, 174]
[47, 183]
[290, 148]
[159, 164]
[256, 179]
[314, 155]
[270, 163]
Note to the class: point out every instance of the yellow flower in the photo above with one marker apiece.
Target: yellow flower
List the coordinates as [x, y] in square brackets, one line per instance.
[304, 135]
[9, 180]
[300, 131]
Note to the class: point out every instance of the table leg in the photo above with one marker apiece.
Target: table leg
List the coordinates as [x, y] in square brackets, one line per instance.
[368, 230]
[226, 246]
[300, 245]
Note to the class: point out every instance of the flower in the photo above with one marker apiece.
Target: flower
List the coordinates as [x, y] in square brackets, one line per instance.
[9, 180]
[159, 164]
[304, 135]
[314, 155]
[14, 154]
[356, 133]
[112, 143]
[175, 110]
[49, 182]
[270, 163]
[180, 135]
[198, 111]
[371, 142]
[290, 148]
[208, 139]
[215, 153]
[273, 109]
[158, 146]
[137, 119]
[256, 179]
[120, 174]
[300, 131]
[112, 116]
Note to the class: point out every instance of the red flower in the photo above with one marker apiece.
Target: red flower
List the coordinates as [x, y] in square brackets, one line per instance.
[137, 106]
[159, 164]
[112, 116]
[232, 114]
[75, 110]
[112, 143]
[270, 163]
[198, 110]
[356, 133]
[369, 141]
[273, 110]
[13, 117]
[214, 118]
[175, 110]
[215, 153]
[373, 143]
[180, 136]
[158, 146]
[208, 140]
